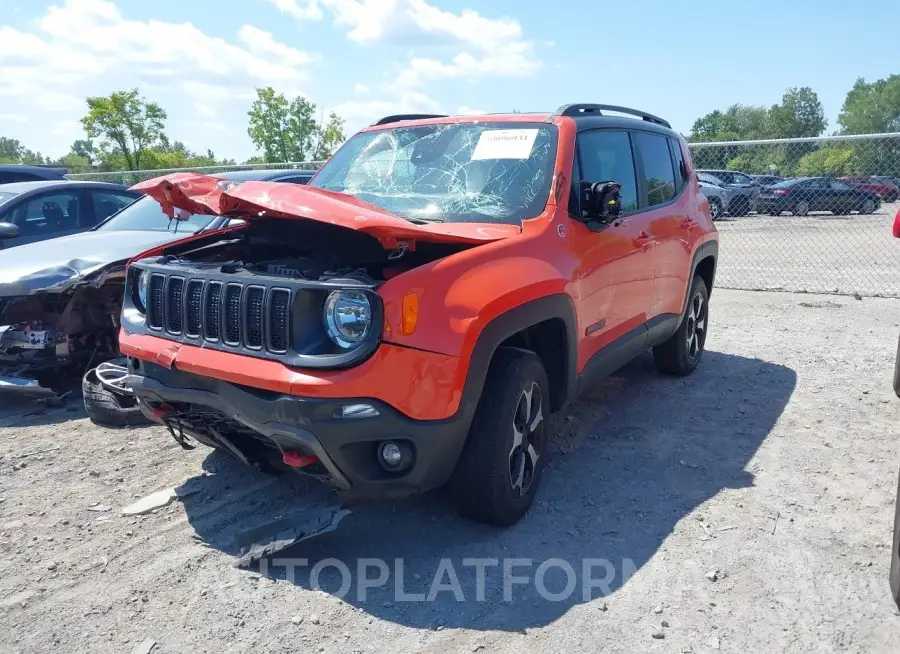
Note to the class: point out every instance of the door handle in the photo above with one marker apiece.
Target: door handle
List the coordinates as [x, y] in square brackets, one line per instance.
[643, 240]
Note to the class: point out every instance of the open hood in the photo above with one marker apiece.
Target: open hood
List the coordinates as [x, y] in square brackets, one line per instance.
[206, 194]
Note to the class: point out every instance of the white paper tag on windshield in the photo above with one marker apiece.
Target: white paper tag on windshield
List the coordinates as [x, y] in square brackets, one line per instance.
[504, 144]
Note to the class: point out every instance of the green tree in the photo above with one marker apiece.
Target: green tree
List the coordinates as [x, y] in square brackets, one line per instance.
[83, 148]
[127, 125]
[828, 161]
[872, 108]
[331, 135]
[10, 150]
[287, 130]
[799, 114]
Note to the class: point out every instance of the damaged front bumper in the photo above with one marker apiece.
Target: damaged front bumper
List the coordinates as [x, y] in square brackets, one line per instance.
[345, 447]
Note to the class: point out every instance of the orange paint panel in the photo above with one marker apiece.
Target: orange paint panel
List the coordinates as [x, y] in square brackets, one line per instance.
[422, 385]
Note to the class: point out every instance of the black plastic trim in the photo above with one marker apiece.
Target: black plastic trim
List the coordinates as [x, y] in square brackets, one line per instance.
[578, 110]
[398, 117]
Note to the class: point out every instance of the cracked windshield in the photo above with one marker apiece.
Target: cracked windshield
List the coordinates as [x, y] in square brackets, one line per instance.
[448, 173]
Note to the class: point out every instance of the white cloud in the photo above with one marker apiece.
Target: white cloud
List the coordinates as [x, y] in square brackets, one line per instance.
[359, 113]
[360, 88]
[465, 110]
[204, 110]
[86, 39]
[13, 118]
[301, 11]
[486, 47]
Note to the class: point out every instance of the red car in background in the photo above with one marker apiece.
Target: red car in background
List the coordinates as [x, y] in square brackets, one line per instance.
[885, 187]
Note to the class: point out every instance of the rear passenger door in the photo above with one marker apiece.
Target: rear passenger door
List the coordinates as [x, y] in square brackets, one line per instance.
[661, 182]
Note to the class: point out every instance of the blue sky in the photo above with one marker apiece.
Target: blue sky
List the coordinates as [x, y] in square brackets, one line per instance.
[201, 60]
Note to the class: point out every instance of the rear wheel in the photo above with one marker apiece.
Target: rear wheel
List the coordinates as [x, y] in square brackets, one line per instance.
[499, 470]
[867, 207]
[681, 354]
[801, 208]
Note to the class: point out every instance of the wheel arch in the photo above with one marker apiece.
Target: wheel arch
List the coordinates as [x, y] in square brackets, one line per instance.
[545, 326]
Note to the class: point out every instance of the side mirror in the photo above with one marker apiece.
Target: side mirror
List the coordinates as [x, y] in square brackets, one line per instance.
[599, 201]
[8, 230]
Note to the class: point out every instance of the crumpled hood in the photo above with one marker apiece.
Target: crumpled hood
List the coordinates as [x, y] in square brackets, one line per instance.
[56, 263]
[206, 194]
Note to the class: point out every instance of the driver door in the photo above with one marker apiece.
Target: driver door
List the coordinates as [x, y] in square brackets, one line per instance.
[615, 276]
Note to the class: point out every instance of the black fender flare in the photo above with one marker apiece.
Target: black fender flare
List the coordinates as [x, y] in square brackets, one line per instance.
[706, 250]
[549, 307]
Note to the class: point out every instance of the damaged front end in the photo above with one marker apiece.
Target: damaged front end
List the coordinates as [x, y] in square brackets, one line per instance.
[47, 336]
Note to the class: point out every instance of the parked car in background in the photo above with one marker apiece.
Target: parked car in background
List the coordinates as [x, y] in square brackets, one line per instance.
[767, 180]
[744, 190]
[885, 187]
[25, 173]
[37, 211]
[804, 194]
[719, 198]
[60, 299]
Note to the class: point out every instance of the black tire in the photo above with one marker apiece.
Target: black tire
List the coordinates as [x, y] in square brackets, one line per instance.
[801, 208]
[483, 482]
[715, 208]
[677, 356]
[109, 409]
[867, 207]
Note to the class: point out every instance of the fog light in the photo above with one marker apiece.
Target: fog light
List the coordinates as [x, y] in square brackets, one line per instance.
[391, 454]
[356, 411]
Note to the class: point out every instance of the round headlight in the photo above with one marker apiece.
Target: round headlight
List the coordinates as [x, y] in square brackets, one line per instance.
[348, 318]
[142, 286]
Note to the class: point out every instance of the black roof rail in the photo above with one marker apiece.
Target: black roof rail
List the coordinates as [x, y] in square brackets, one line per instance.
[586, 109]
[398, 117]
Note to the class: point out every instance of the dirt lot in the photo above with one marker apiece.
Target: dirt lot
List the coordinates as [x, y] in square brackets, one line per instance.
[819, 253]
[774, 465]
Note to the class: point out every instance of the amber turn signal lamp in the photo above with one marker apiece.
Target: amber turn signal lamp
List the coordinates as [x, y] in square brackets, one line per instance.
[410, 315]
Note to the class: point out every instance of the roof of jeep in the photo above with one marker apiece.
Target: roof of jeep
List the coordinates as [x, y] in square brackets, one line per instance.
[582, 122]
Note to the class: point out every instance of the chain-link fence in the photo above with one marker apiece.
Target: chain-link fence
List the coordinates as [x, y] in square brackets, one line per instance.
[809, 214]
[129, 177]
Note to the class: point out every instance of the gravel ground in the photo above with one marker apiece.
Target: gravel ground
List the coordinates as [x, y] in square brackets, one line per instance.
[819, 253]
[749, 507]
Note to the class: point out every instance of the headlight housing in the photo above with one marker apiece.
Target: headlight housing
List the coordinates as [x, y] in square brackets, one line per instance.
[143, 284]
[348, 318]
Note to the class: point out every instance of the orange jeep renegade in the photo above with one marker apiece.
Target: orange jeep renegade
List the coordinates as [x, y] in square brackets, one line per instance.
[412, 316]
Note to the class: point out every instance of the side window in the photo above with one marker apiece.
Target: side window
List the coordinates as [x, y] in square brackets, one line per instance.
[606, 156]
[106, 203]
[680, 181]
[300, 179]
[659, 175]
[49, 213]
[837, 185]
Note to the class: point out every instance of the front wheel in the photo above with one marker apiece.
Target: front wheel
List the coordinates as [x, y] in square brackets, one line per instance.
[715, 208]
[867, 207]
[681, 354]
[801, 208]
[500, 467]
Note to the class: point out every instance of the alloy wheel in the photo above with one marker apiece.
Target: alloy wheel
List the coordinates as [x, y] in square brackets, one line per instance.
[696, 326]
[528, 439]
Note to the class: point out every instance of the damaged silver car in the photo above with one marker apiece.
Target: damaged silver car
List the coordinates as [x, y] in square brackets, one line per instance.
[60, 302]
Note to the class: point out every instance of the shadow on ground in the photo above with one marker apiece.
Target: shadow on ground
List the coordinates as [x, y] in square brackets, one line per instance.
[635, 455]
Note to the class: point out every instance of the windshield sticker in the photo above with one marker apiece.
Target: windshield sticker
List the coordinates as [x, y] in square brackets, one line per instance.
[504, 144]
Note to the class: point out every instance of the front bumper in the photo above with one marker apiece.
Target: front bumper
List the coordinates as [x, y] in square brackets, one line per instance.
[346, 447]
